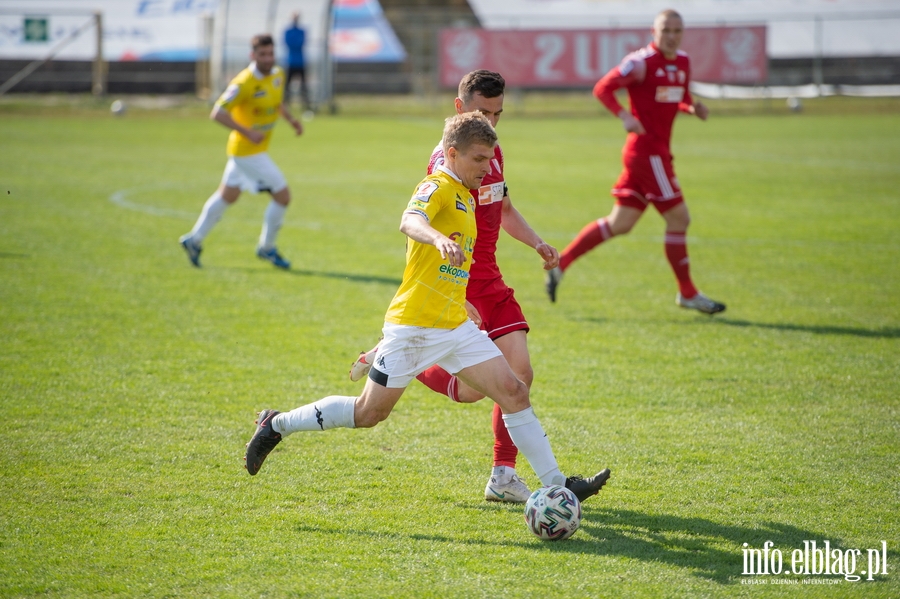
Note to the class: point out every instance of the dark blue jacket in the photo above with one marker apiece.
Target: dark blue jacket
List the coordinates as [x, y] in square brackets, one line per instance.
[294, 38]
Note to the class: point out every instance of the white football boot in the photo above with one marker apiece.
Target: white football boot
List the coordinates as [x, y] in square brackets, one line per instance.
[700, 302]
[510, 490]
[363, 364]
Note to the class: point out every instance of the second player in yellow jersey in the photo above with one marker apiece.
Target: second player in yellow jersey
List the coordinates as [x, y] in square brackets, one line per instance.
[250, 107]
[254, 100]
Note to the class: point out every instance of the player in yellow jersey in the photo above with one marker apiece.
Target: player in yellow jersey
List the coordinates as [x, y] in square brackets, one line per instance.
[250, 106]
[427, 321]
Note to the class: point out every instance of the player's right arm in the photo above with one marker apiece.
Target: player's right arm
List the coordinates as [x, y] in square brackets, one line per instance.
[220, 115]
[221, 112]
[631, 71]
[415, 226]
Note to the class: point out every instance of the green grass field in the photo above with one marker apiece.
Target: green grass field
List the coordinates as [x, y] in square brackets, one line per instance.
[129, 381]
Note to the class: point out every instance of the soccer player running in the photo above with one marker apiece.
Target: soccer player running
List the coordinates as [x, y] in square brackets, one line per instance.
[250, 106]
[427, 321]
[657, 79]
[493, 301]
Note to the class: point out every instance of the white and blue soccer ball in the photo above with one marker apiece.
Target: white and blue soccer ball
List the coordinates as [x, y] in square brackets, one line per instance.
[553, 513]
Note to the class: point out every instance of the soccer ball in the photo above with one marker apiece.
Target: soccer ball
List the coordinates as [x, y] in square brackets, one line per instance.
[118, 108]
[553, 513]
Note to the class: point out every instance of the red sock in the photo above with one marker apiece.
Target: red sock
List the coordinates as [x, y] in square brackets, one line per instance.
[676, 252]
[505, 451]
[593, 234]
[440, 381]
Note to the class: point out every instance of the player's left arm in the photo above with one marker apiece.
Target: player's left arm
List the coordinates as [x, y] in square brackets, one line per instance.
[518, 228]
[295, 123]
[698, 109]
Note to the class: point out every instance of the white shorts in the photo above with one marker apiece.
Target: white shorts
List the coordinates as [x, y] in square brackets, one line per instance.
[405, 352]
[254, 173]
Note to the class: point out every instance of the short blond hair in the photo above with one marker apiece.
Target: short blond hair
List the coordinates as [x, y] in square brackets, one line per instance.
[463, 130]
[665, 14]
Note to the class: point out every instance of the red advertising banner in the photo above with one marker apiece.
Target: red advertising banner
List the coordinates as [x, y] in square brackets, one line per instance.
[578, 58]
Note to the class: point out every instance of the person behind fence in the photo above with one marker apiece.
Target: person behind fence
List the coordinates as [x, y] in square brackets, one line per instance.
[295, 38]
[250, 107]
[427, 322]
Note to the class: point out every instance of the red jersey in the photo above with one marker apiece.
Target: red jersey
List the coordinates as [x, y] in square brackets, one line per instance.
[657, 90]
[488, 214]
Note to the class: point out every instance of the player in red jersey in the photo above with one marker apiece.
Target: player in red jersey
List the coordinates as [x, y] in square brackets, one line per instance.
[493, 304]
[657, 79]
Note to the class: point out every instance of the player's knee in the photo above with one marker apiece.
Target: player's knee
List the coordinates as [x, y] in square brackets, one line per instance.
[229, 194]
[283, 197]
[517, 393]
[367, 415]
[621, 227]
[525, 374]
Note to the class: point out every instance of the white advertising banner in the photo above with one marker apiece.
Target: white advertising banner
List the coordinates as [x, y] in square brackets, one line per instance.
[132, 29]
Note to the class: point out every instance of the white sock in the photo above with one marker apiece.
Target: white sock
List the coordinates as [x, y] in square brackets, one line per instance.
[272, 221]
[502, 474]
[526, 432]
[334, 411]
[212, 213]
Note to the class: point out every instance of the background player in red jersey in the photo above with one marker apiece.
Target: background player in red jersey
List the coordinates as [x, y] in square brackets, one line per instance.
[657, 79]
[493, 301]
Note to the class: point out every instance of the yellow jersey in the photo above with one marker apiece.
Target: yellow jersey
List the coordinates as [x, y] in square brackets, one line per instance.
[254, 101]
[433, 293]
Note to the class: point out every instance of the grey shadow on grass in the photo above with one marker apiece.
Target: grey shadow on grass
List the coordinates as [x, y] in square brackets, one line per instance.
[341, 276]
[693, 543]
[709, 550]
[13, 255]
[883, 332]
[879, 333]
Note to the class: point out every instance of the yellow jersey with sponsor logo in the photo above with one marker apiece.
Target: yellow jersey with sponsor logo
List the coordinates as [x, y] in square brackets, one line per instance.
[433, 293]
[254, 101]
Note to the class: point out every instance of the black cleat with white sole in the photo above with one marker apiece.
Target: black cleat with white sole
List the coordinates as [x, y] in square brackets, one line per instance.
[263, 441]
[587, 487]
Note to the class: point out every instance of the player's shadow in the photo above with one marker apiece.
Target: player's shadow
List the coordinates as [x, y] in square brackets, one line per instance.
[882, 332]
[324, 274]
[879, 333]
[343, 276]
[709, 549]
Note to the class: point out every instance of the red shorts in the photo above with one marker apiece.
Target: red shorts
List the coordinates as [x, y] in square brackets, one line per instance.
[500, 312]
[648, 180]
